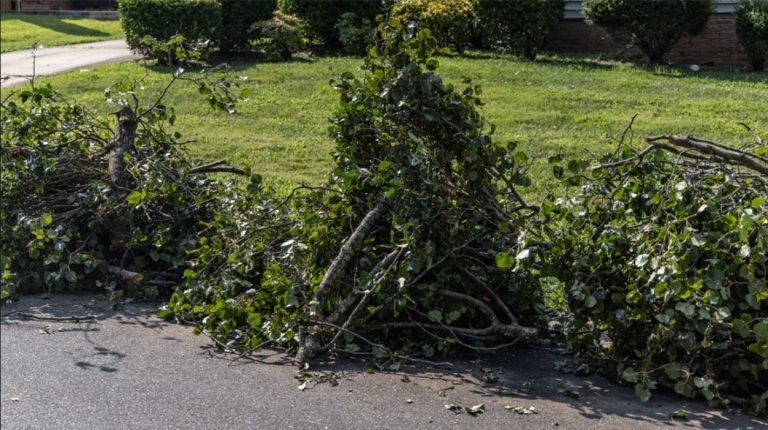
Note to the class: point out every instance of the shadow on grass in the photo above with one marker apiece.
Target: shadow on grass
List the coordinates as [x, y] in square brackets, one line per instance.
[614, 61]
[56, 24]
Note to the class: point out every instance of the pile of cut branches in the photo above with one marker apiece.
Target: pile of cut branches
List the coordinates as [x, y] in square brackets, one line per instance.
[663, 253]
[402, 252]
[85, 202]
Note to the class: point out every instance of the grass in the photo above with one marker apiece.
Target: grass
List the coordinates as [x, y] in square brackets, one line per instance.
[21, 31]
[559, 104]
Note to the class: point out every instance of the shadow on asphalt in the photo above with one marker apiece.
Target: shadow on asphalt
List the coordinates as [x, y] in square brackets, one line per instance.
[521, 376]
[81, 314]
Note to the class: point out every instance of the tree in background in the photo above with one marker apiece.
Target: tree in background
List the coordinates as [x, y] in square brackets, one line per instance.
[523, 27]
[752, 30]
[655, 26]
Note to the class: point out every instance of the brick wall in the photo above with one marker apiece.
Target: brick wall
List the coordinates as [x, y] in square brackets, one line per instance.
[717, 45]
[37, 5]
[5, 5]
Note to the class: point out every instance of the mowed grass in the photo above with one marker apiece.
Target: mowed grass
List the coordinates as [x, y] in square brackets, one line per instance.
[560, 104]
[21, 31]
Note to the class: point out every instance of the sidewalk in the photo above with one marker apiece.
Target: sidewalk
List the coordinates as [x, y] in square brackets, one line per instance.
[128, 370]
[16, 67]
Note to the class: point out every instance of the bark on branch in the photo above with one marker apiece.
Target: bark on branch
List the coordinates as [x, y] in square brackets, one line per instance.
[123, 142]
[732, 156]
[346, 253]
[215, 167]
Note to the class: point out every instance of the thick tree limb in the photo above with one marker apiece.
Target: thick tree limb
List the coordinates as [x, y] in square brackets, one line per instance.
[346, 253]
[221, 169]
[123, 142]
[215, 167]
[710, 148]
[309, 345]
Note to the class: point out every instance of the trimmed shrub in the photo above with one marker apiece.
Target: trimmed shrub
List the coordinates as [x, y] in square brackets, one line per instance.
[196, 21]
[281, 36]
[322, 17]
[752, 30]
[237, 17]
[523, 27]
[450, 21]
[655, 26]
[355, 33]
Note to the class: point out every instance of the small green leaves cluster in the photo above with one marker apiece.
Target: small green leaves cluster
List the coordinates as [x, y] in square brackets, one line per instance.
[664, 269]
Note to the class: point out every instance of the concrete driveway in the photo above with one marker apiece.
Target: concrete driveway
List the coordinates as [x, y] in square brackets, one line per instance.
[17, 67]
[128, 370]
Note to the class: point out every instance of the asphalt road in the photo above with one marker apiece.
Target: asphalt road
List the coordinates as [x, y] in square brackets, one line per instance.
[128, 370]
[17, 67]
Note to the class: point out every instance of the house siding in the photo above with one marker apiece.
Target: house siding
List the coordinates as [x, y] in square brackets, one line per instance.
[717, 45]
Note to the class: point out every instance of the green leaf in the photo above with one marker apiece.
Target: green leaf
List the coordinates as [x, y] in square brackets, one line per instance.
[761, 331]
[674, 371]
[629, 374]
[590, 301]
[46, 219]
[134, 198]
[453, 407]
[642, 392]
[190, 274]
[475, 409]
[378, 352]
[568, 391]
[504, 260]
[641, 260]
[435, 315]
[687, 309]
[254, 320]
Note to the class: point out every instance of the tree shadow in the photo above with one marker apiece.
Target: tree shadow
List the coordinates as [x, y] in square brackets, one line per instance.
[56, 24]
[71, 314]
[604, 61]
[525, 375]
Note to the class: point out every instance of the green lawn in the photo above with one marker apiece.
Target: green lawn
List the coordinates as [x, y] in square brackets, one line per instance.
[22, 31]
[558, 104]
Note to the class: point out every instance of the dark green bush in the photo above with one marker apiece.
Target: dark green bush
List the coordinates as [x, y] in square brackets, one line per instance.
[752, 30]
[355, 33]
[523, 27]
[655, 26]
[279, 37]
[196, 21]
[450, 21]
[322, 16]
[237, 17]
